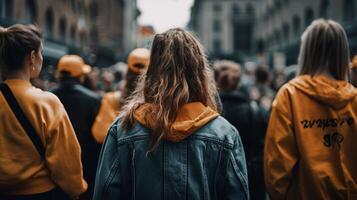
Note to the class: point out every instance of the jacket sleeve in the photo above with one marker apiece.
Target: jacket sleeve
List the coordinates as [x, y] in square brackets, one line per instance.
[106, 116]
[107, 177]
[236, 185]
[280, 152]
[63, 155]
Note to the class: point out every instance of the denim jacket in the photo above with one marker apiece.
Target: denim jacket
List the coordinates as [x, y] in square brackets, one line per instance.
[209, 164]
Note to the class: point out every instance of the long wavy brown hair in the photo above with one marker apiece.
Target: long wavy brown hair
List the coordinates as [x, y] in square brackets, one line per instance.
[178, 74]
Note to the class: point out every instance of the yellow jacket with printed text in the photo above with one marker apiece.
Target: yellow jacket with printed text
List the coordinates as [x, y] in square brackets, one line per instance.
[311, 143]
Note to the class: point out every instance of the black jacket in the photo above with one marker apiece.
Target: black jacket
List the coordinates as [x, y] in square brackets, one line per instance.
[82, 106]
[248, 118]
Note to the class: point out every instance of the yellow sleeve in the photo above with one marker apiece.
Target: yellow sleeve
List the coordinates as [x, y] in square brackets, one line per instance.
[63, 155]
[280, 153]
[107, 114]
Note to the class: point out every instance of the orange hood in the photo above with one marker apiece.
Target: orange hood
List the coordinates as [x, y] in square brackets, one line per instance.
[335, 94]
[190, 118]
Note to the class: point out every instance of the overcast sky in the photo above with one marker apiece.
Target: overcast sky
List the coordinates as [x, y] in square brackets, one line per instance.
[164, 14]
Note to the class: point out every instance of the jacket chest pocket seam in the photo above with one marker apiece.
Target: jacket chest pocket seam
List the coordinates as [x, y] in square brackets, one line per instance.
[239, 174]
[133, 170]
[113, 171]
[205, 187]
[216, 172]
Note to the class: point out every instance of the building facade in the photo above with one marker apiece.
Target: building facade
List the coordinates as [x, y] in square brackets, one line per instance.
[270, 28]
[92, 28]
[280, 23]
[225, 27]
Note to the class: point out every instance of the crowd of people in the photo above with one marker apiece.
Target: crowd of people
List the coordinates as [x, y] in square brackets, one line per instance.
[169, 124]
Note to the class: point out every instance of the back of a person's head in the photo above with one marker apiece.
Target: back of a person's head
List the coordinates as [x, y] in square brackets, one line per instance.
[17, 42]
[262, 74]
[178, 74]
[227, 74]
[70, 67]
[138, 62]
[324, 48]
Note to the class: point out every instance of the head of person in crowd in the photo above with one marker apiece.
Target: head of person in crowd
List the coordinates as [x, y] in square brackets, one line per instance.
[324, 50]
[227, 75]
[20, 51]
[291, 72]
[354, 71]
[178, 74]
[262, 75]
[88, 81]
[71, 68]
[138, 62]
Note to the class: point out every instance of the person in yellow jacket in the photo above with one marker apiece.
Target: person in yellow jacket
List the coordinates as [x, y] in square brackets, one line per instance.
[311, 142]
[24, 172]
[138, 61]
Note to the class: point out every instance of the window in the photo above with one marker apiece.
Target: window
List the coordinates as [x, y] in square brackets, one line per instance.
[296, 25]
[250, 10]
[73, 34]
[309, 16]
[277, 37]
[242, 33]
[325, 9]
[94, 35]
[217, 8]
[63, 29]
[216, 26]
[348, 10]
[31, 11]
[286, 31]
[49, 22]
[217, 48]
[7, 9]
[93, 10]
[277, 5]
[235, 10]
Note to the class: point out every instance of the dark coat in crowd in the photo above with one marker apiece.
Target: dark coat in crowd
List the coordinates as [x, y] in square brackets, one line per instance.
[248, 118]
[82, 106]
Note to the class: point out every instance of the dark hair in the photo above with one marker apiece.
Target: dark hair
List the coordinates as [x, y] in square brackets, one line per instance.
[16, 42]
[262, 74]
[131, 80]
[324, 47]
[227, 74]
[89, 83]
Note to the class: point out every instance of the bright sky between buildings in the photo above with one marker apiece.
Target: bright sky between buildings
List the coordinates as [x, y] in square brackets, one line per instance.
[164, 14]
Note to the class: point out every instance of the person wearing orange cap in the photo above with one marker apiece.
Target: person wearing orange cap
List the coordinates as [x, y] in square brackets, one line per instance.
[82, 106]
[138, 61]
[354, 71]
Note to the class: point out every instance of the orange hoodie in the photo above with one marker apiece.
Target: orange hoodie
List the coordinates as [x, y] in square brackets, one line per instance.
[109, 110]
[311, 142]
[190, 118]
[22, 170]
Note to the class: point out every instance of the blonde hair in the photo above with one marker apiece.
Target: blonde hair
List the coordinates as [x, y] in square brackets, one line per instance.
[178, 73]
[324, 48]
